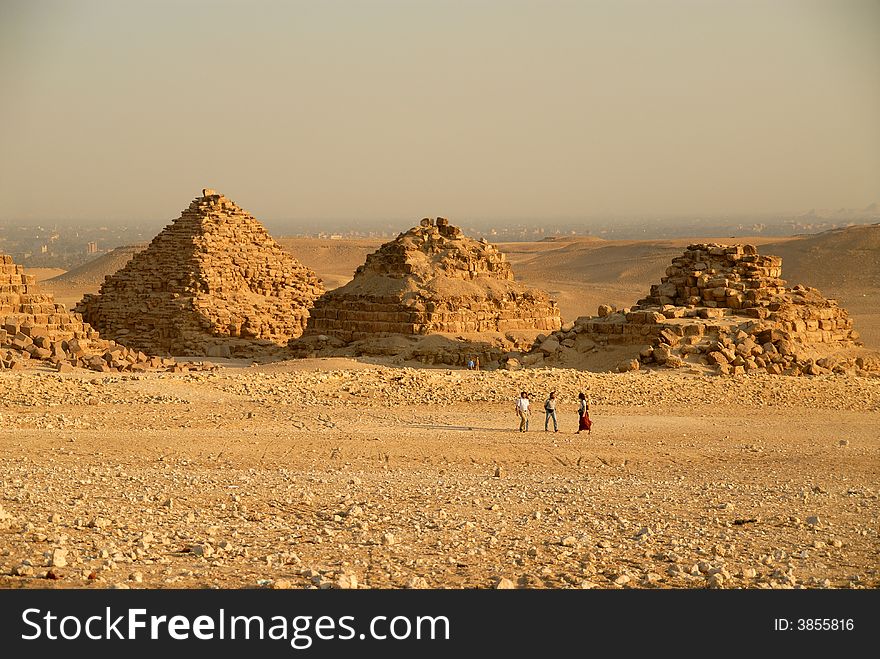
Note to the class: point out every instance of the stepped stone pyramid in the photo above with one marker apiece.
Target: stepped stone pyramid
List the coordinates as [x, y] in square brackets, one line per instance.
[213, 282]
[432, 279]
[30, 317]
[719, 276]
[35, 327]
[723, 306]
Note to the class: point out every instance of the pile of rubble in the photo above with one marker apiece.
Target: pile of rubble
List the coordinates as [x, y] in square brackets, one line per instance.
[213, 283]
[432, 279]
[724, 307]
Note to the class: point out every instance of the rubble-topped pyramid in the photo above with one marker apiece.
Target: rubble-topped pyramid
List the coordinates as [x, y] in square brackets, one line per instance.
[213, 282]
[725, 307]
[432, 279]
[734, 277]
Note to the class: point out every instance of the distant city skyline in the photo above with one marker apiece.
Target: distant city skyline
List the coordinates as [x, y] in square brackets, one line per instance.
[484, 111]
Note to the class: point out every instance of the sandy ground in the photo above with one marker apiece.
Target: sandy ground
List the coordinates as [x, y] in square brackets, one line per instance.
[334, 473]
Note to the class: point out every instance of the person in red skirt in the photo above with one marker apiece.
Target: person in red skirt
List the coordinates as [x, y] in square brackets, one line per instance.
[584, 422]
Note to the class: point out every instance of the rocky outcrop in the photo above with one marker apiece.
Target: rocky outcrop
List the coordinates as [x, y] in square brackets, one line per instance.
[213, 282]
[432, 279]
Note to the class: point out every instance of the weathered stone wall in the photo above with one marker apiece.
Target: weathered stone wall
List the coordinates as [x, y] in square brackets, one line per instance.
[26, 310]
[213, 282]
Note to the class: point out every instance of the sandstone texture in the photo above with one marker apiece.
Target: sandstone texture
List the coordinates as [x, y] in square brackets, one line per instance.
[213, 282]
[432, 279]
[722, 307]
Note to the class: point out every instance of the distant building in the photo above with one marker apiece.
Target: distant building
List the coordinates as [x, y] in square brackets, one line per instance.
[92, 248]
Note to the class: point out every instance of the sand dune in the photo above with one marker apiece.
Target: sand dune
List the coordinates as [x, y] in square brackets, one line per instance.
[334, 260]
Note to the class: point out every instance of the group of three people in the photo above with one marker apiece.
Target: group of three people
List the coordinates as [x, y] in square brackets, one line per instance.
[522, 411]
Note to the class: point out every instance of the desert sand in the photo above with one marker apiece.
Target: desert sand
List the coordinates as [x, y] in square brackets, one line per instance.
[337, 473]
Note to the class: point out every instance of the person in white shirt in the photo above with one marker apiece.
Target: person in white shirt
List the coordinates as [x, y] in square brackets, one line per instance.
[522, 411]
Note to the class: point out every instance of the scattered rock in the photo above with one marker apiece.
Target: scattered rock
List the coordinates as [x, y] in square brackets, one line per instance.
[504, 584]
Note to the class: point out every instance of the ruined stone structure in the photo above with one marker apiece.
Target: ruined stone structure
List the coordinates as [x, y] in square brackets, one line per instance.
[28, 313]
[719, 276]
[725, 307]
[432, 279]
[35, 327]
[213, 282]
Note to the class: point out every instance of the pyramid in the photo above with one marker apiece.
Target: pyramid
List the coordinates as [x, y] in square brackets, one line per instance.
[213, 282]
[724, 307]
[432, 279]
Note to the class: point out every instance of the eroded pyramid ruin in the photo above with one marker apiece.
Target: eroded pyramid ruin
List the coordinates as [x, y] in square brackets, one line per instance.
[213, 282]
[432, 279]
[725, 307]
[35, 327]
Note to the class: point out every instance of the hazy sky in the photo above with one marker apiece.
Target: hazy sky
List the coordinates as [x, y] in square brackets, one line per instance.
[124, 110]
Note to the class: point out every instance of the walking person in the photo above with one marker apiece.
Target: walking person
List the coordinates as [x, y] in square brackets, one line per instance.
[584, 422]
[522, 411]
[550, 412]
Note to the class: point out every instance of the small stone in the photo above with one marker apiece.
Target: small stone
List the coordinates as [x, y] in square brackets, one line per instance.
[715, 580]
[54, 518]
[651, 578]
[202, 550]
[281, 584]
[622, 580]
[499, 472]
[137, 577]
[813, 520]
[417, 583]
[568, 541]
[388, 539]
[58, 558]
[347, 582]
[504, 584]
